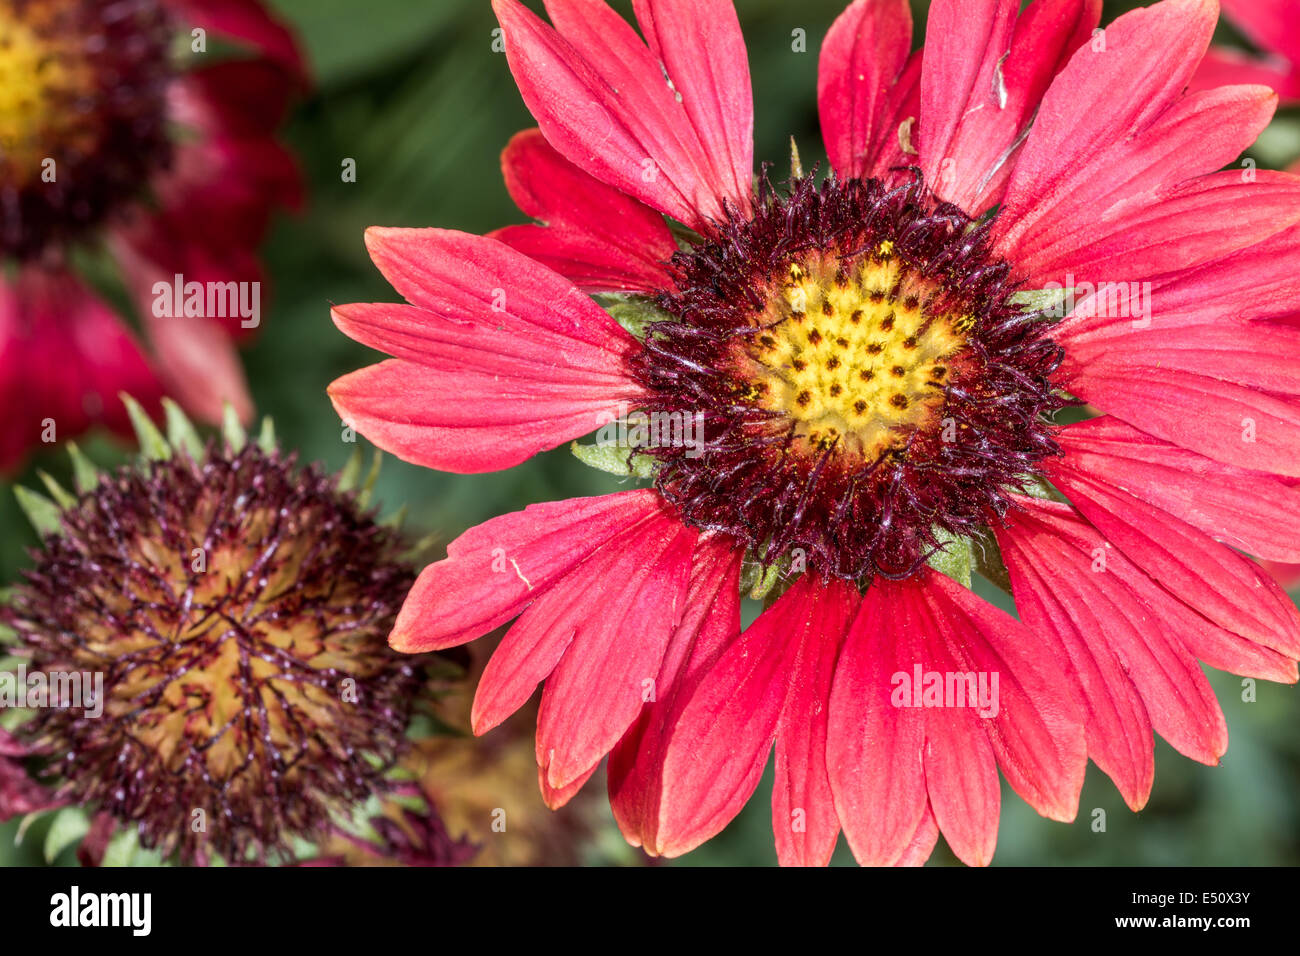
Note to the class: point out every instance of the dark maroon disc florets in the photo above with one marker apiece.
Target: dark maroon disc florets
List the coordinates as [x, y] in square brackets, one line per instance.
[83, 120]
[237, 609]
[864, 381]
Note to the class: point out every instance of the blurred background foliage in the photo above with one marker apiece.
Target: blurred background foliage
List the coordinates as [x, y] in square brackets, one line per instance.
[414, 93]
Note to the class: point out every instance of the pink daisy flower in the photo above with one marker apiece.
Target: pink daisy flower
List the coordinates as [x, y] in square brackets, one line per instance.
[877, 390]
[115, 148]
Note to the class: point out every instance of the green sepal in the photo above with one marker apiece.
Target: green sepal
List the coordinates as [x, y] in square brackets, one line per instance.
[153, 445]
[62, 497]
[84, 473]
[181, 431]
[266, 437]
[1041, 300]
[43, 513]
[351, 472]
[232, 429]
[69, 825]
[395, 520]
[954, 558]
[635, 313]
[614, 459]
[124, 850]
[368, 486]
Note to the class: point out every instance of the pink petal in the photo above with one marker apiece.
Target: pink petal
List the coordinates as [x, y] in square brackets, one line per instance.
[711, 623]
[858, 84]
[803, 811]
[922, 843]
[630, 610]
[1037, 734]
[602, 100]
[702, 50]
[247, 21]
[1172, 228]
[495, 570]
[985, 73]
[1227, 589]
[1069, 170]
[593, 235]
[1270, 24]
[470, 421]
[720, 744]
[64, 358]
[874, 749]
[556, 797]
[1246, 509]
[1122, 606]
[501, 359]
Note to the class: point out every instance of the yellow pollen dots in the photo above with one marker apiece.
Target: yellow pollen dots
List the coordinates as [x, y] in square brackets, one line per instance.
[41, 80]
[849, 353]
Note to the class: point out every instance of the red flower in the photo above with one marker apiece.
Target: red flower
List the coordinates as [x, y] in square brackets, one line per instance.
[93, 162]
[872, 388]
[1274, 27]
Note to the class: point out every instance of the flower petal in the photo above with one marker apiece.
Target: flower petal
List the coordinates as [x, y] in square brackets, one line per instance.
[593, 235]
[1245, 509]
[495, 570]
[858, 83]
[602, 100]
[709, 626]
[874, 749]
[718, 749]
[631, 608]
[1226, 588]
[803, 810]
[986, 70]
[1097, 595]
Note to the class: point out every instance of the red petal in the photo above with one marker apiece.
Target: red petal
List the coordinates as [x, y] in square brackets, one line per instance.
[860, 69]
[631, 607]
[985, 74]
[1037, 734]
[874, 750]
[593, 235]
[1246, 509]
[1122, 606]
[601, 98]
[495, 570]
[701, 47]
[803, 810]
[1226, 588]
[710, 625]
[1152, 134]
[719, 746]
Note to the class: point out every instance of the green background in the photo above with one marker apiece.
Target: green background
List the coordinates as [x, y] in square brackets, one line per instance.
[413, 92]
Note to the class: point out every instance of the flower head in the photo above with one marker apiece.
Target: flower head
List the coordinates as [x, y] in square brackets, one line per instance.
[112, 142]
[1026, 215]
[229, 610]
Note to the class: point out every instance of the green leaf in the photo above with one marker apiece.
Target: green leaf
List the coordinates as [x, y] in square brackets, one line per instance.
[43, 513]
[180, 430]
[614, 459]
[955, 559]
[368, 486]
[152, 443]
[68, 826]
[351, 473]
[635, 313]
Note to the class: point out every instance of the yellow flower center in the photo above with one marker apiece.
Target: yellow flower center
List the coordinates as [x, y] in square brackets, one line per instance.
[852, 355]
[41, 79]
